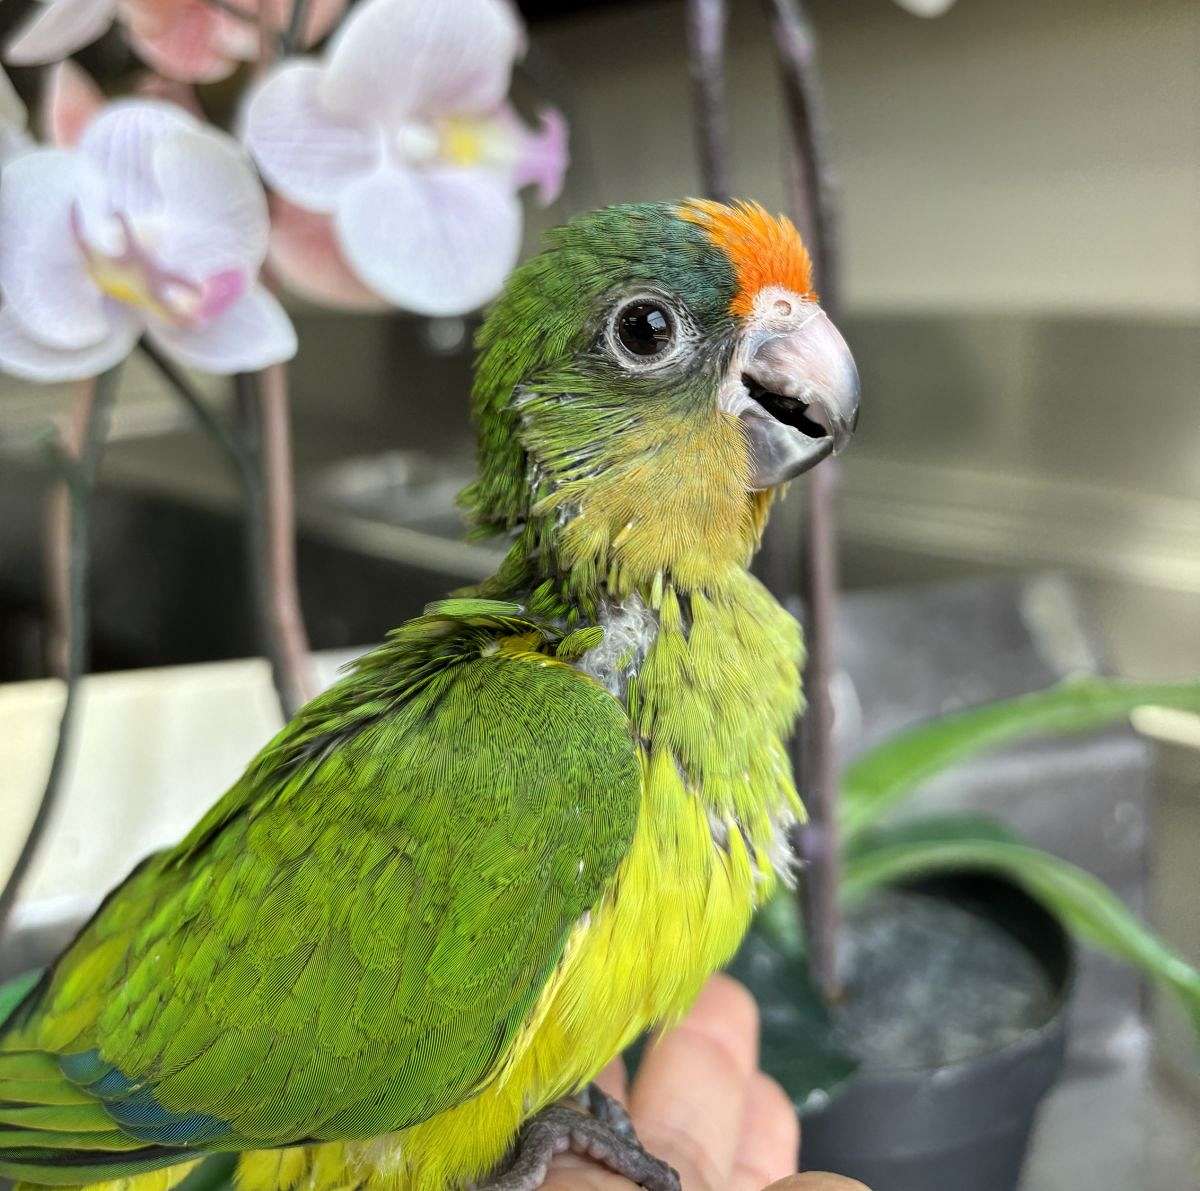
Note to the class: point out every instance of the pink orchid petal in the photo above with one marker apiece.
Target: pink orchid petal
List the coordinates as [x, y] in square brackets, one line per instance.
[214, 212]
[70, 99]
[121, 141]
[251, 334]
[437, 242]
[309, 155]
[542, 158]
[43, 275]
[22, 355]
[180, 38]
[219, 292]
[59, 28]
[236, 40]
[305, 256]
[393, 59]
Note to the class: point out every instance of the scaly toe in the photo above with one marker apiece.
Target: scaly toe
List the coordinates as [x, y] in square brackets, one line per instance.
[561, 1127]
[608, 1110]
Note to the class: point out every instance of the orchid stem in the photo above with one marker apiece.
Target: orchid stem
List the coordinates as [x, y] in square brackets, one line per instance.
[264, 417]
[707, 22]
[814, 201]
[237, 457]
[265, 431]
[58, 536]
[78, 459]
[814, 191]
[812, 747]
[818, 842]
[287, 620]
[266, 486]
[294, 33]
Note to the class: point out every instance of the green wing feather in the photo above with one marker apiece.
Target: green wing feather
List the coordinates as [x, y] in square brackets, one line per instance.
[348, 942]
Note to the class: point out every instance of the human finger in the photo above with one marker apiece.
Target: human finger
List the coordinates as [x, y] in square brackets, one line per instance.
[817, 1181]
[769, 1140]
[690, 1094]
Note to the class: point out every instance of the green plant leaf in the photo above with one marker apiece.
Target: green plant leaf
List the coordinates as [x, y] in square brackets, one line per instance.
[797, 1045]
[880, 778]
[1085, 906]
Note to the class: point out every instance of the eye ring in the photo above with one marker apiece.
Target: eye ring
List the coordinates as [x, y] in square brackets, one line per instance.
[644, 331]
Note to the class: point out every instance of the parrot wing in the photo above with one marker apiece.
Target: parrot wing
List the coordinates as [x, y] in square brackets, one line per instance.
[350, 940]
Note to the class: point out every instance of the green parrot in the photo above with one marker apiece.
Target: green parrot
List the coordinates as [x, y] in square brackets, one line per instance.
[526, 827]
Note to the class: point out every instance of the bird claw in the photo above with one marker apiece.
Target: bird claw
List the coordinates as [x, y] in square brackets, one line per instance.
[604, 1133]
[609, 1111]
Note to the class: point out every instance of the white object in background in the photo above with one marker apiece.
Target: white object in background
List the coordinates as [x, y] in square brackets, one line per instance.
[926, 8]
[152, 751]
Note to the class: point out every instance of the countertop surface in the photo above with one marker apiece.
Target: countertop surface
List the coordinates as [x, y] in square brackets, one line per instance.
[1116, 1126]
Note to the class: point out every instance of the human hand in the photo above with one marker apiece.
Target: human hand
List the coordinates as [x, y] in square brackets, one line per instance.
[700, 1103]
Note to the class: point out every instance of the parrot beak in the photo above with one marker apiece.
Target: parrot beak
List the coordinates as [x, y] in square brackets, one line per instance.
[794, 387]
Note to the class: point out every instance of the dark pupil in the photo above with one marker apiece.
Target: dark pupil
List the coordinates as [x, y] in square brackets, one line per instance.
[644, 329]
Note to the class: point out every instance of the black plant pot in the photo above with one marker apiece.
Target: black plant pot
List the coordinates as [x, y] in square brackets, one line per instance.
[918, 1125]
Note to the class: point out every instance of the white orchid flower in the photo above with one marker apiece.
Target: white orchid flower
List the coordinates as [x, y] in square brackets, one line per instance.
[402, 135]
[153, 224]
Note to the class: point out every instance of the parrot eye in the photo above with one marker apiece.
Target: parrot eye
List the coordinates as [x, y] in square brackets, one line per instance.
[644, 328]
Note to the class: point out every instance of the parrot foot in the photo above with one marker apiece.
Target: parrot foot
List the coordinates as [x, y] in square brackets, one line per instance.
[609, 1139]
[608, 1110]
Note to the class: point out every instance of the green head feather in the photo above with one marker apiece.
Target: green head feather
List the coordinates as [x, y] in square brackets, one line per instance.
[569, 424]
[547, 328]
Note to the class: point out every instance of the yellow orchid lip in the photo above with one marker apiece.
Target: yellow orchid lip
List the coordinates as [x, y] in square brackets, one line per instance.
[133, 277]
[463, 142]
[130, 285]
[460, 141]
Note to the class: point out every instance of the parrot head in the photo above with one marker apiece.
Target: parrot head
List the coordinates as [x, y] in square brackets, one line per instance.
[647, 382]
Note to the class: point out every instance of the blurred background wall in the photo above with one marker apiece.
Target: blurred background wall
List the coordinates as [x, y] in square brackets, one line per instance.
[1011, 155]
[1022, 251]
[1020, 185]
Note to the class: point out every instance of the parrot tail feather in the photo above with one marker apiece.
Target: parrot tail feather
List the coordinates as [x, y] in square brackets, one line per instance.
[74, 1168]
[54, 1133]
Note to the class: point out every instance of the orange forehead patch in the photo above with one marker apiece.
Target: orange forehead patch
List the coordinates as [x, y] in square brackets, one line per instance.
[763, 249]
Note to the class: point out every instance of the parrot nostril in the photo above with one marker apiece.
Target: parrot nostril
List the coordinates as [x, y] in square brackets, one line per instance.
[791, 411]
